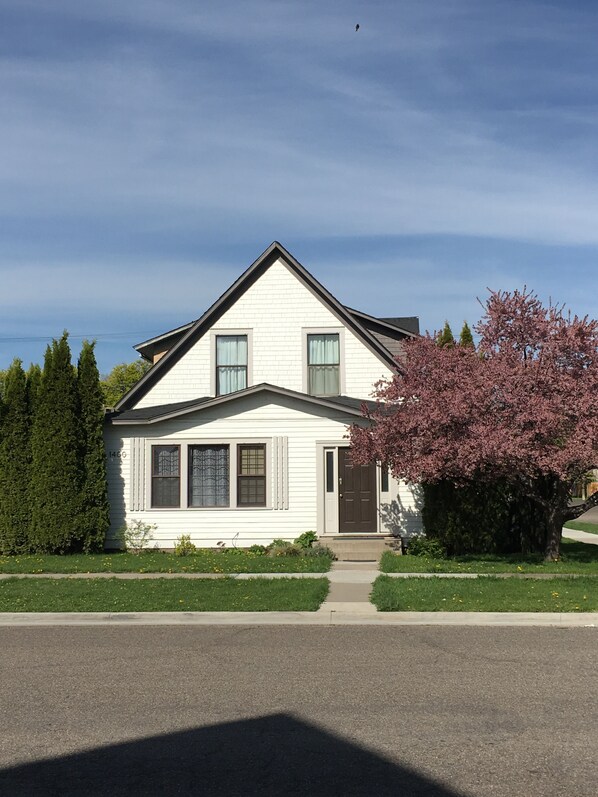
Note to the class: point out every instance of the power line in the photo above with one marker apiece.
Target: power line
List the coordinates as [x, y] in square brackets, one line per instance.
[89, 336]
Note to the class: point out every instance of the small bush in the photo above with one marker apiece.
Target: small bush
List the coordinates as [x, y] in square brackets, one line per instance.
[184, 546]
[319, 550]
[424, 546]
[286, 549]
[137, 535]
[260, 550]
[306, 540]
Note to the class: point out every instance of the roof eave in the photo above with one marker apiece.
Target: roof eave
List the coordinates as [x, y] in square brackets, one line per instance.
[240, 394]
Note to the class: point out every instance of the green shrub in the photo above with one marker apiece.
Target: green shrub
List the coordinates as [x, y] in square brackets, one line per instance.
[285, 549]
[136, 535]
[319, 550]
[480, 518]
[184, 546]
[307, 539]
[424, 546]
[260, 550]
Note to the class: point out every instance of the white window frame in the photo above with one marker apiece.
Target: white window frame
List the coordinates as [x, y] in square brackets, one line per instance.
[340, 331]
[233, 444]
[214, 333]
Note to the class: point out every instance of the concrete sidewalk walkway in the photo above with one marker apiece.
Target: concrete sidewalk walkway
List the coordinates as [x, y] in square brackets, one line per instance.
[350, 588]
[581, 536]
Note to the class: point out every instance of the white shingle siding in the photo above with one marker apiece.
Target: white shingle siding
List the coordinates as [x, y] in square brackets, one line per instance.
[277, 307]
[276, 312]
[293, 434]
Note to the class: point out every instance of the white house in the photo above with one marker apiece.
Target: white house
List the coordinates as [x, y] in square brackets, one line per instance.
[238, 432]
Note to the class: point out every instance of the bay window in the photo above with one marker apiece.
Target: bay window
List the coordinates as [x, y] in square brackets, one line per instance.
[208, 483]
[251, 475]
[166, 476]
[209, 475]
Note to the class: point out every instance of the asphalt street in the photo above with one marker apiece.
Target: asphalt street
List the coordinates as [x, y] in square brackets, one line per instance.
[315, 711]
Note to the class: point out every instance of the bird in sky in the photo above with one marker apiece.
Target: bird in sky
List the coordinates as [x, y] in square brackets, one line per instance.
[356, 27]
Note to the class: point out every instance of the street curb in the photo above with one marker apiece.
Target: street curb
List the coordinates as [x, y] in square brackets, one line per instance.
[134, 576]
[322, 617]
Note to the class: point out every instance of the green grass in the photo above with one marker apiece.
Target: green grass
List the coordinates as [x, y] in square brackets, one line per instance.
[162, 595]
[487, 594]
[577, 557]
[204, 561]
[581, 525]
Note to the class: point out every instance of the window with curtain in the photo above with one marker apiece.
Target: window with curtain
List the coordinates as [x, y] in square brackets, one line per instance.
[231, 363]
[208, 475]
[166, 476]
[251, 475]
[323, 365]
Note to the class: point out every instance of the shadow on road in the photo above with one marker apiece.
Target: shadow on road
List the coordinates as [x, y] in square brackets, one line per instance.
[272, 755]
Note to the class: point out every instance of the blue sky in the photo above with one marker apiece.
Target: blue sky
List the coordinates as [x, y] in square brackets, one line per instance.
[152, 149]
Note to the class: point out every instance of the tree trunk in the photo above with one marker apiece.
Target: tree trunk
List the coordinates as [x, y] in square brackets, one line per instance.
[554, 530]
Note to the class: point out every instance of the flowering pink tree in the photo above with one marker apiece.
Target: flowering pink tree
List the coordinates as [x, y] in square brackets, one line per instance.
[521, 406]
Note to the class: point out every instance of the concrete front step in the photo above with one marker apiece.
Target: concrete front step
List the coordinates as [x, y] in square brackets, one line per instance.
[357, 549]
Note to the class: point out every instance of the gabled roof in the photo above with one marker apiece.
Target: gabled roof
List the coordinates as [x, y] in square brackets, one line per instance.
[198, 328]
[148, 415]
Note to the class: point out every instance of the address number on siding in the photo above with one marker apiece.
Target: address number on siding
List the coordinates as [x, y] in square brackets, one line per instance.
[117, 454]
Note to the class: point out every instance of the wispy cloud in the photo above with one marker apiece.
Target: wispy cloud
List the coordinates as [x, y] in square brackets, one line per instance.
[160, 135]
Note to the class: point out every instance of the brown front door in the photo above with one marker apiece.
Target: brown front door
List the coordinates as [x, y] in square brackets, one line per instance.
[356, 496]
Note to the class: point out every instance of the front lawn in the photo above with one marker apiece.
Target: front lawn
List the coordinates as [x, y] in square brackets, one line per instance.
[577, 557]
[162, 595]
[204, 561]
[581, 525]
[487, 594]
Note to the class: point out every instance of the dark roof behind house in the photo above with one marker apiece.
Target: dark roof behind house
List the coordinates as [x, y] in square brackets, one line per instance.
[410, 323]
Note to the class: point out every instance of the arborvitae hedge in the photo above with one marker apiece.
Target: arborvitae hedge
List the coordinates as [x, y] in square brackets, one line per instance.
[94, 522]
[56, 477]
[34, 381]
[15, 462]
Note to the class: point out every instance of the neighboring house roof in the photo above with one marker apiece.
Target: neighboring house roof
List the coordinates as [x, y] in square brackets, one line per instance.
[162, 342]
[192, 332]
[148, 415]
[408, 327]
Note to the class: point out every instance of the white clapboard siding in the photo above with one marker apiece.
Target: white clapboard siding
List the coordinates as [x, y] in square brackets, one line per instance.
[292, 433]
[277, 309]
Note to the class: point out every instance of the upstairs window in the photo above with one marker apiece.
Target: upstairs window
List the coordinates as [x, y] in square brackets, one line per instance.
[231, 363]
[323, 364]
[166, 476]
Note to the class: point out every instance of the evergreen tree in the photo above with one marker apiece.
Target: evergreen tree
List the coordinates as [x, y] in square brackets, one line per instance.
[34, 379]
[15, 462]
[466, 338]
[446, 336]
[56, 474]
[94, 493]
